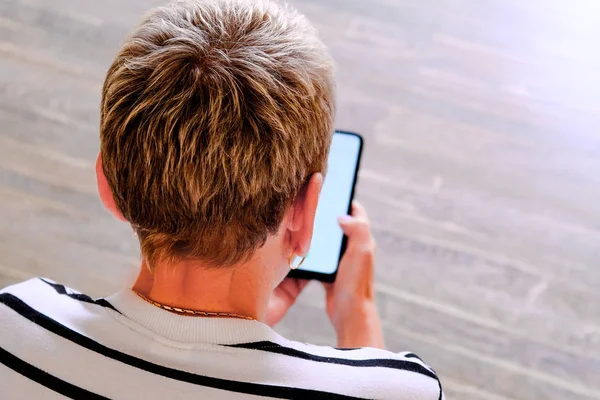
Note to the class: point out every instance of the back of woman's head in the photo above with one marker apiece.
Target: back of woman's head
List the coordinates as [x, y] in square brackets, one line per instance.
[214, 115]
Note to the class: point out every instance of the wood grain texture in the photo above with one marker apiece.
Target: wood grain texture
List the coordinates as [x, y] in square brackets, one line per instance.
[480, 173]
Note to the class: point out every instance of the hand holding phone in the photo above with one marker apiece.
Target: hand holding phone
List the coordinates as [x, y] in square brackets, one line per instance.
[351, 299]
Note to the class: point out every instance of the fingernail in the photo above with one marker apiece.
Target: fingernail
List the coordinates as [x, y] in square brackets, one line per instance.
[344, 218]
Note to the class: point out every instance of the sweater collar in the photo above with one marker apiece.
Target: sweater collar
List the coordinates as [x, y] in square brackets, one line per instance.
[190, 329]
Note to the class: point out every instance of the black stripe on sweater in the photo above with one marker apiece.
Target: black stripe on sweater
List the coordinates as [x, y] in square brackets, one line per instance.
[45, 379]
[61, 289]
[374, 362]
[412, 355]
[228, 385]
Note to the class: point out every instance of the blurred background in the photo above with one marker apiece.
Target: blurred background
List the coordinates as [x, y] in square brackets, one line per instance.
[481, 174]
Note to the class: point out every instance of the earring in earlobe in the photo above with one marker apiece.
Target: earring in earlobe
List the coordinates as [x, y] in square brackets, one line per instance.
[291, 260]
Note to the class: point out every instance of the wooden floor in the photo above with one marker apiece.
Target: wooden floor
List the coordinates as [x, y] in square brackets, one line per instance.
[481, 174]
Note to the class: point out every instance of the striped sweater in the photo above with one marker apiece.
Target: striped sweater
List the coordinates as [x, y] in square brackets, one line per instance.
[57, 343]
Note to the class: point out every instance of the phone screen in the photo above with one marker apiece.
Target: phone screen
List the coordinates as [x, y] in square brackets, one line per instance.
[335, 200]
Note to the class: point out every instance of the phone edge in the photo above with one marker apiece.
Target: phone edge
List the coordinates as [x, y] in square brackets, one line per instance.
[329, 278]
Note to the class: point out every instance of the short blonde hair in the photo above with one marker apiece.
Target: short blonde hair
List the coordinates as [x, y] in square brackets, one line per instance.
[214, 115]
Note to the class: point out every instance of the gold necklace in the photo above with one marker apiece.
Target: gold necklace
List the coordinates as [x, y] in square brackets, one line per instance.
[184, 311]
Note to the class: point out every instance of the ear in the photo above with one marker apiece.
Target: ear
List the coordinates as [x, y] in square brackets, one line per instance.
[303, 215]
[104, 190]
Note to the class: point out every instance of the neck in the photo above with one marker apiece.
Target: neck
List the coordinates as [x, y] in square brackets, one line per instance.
[242, 289]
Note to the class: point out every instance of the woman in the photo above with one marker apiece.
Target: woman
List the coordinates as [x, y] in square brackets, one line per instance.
[216, 120]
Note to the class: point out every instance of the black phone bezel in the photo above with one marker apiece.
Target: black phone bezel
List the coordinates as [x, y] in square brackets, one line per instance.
[298, 273]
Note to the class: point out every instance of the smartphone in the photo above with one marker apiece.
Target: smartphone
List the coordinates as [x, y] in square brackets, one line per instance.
[329, 242]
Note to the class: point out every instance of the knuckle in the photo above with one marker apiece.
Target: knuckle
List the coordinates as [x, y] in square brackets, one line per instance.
[368, 249]
[372, 248]
[364, 245]
[363, 224]
[369, 257]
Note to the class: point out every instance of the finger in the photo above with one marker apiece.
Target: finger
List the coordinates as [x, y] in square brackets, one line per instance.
[328, 287]
[358, 211]
[356, 229]
[292, 287]
[296, 282]
[301, 283]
